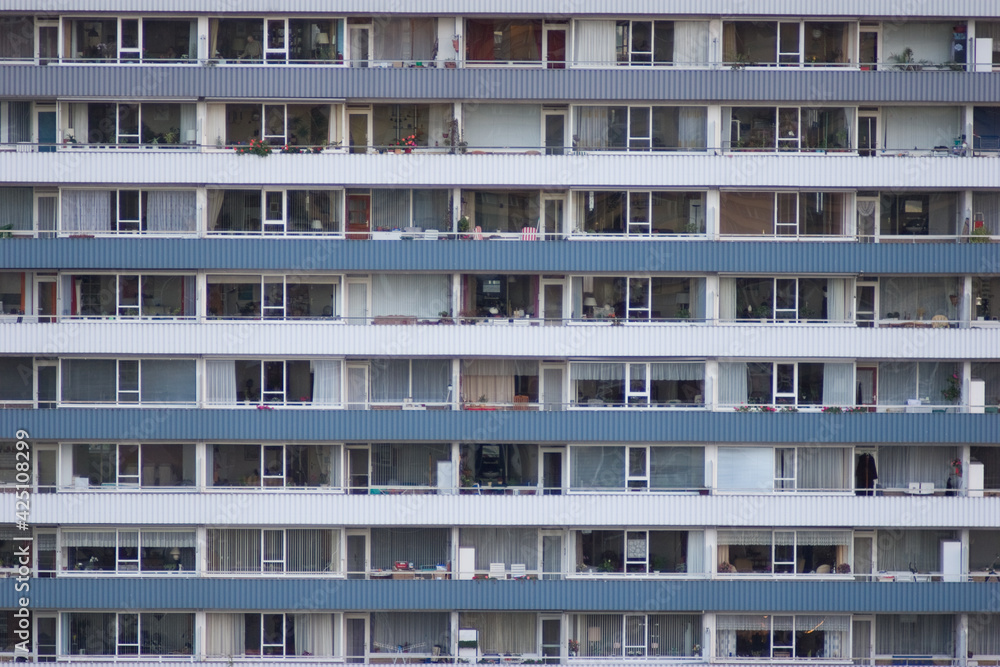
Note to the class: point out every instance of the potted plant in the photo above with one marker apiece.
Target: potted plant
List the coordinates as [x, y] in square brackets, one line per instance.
[843, 568]
[463, 227]
[979, 235]
[953, 391]
[725, 567]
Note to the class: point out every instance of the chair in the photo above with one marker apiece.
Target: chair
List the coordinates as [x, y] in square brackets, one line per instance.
[498, 571]
[826, 568]
[529, 234]
[478, 233]
[939, 322]
[520, 403]
[518, 571]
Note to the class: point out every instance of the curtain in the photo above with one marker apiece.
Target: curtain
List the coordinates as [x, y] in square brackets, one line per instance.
[696, 553]
[988, 203]
[171, 211]
[697, 305]
[89, 538]
[424, 547]
[503, 125]
[823, 468]
[494, 378]
[836, 300]
[167, 539]
[744, 537]
[595, 43]
[427, 629]
[310, 550]
[732, 382]
[407, 465]
[597, 371]
[502, 545]
[314, 634]
[592, 128]
[838, 384]
[80, 117]
[390, 380]
[89, 380]
[215, 120]
[984, 632]
[326, 382]
[900, 465]
[691, 43]
[727, 299]
[897, 382]
[86, 210]
[729, 48]
[691, 128]
[676, 371]
[18, 122]
[503, 633]
[916, 299]
[234, 550]
[430, 379]
[391, 208]
[597, 467]
[220, 381]
[430, 210]
[168, 381]
[745, 468]
[599, 634]
[225, 635]
[16, 208]
[915, 634]
[932, 380]
[676, 467]
[915, 128]
[422, 296]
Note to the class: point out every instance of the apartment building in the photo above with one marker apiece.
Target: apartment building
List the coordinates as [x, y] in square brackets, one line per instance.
[501, 332]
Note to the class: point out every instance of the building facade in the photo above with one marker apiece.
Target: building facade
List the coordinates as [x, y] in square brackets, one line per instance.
[500, 332]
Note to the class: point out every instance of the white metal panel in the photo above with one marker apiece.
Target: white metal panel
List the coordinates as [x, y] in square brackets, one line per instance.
[311, 339]
[264, 508]
[592, 170]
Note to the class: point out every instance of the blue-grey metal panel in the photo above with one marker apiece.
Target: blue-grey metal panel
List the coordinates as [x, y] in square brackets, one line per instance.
[355, 595]
[485, 257]
[484, 426]
[661, 85]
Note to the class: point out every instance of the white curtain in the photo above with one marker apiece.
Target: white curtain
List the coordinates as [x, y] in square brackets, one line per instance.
[691, 43]
[220, 376]
[81, 122]
[988, 203]
[314, 634]
[866, 218]
[677, 371]
[86, 210]
[502, 545]
[697, 305]
[732, 383]
[984, 633]
[838, 384]
[836, 300]
[422, 296]
[88, 538]
[727, 298]
[592, 125]
[909, 128]
[216, 122]
[429, 380]
[897, 382]
[224, 635]
[595, 43]
[598, 467]
[899, 465]
[503, 632]
[823, 468]
[745, 468]
[234, 550]
[391, 208]
[691, 127]
[516, 126]
[915, 634]
[597, 371]
[189, 119]
[171, 210]
[326, 382]
[16, 208]
[696, 552]
[392, 629]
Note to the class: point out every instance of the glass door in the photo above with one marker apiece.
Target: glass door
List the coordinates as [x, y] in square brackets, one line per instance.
[357, 387]
[46, 384]
[46, 42]
[359, 37]
[356, 644]
[868, 47]
[553, 210]
[552, 555]
[45, 469]
[357, 555]
[46, 207]
[866, 304]
[45, 298]
[555, 132]
[555, 46]
[867, 390]
[46, 124]
[552, 389]
[789, 50]
[276, 40]
[358, 216]
[552, 472]
[861, 641]
[864, 555]
[45, 642]
[359, 130]
[358, 307]
[552, 303]
[867, 133]
[551, 640]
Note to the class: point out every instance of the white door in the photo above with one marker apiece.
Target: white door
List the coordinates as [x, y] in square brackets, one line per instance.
[357, 386]
[552, 388]
[553, 211]
[358, 306]
[276, 40]
[359, 42]
[551, 302]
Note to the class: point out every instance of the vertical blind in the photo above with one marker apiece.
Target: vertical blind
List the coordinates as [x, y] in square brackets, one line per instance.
[503, 633]
[502, 545]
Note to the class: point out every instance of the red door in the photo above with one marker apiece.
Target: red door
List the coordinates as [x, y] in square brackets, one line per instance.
[358, 216]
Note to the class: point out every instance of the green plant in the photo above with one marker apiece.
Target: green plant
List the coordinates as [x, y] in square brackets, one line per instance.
[408, 143]
[762, 311]
[255, 147]
[905, 62]
[5, 231]
[741, 61]
[463, 224]
[683, 313]
[607, 566]
[468, 643]
[979, 235]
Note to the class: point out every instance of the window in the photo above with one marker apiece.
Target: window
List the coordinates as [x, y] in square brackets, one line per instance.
[16, 381]
[419, 380]
[499, 465]
[919, 214]
[16, 213]
[506, 41]
[645, 42]
[640, 128]
[409, 466]
[503, 382]
[130, 296]
[802, 469]
[782, 213]
[425, 123]
[813, 636]
[638, 299]
[420, 546]
[128, 381]
[133, 39]
[128, 211]
[763, 551]
[17, 38]
[127, 634]
[131, 465]
[148, 123]
[273, 297]
[499, 295]
[915, 634]
[426, 633]
[899, 383]
[301, 125]
[275, 465]
[639, 551]
[789, 128]
[788, 299]
[502, 211]
[275, 211]
[635, 635]
[641, 213]
[317, 41]
[252, 550]
[636, 467]
[134, 551]
[274, 635]
[648, 384]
